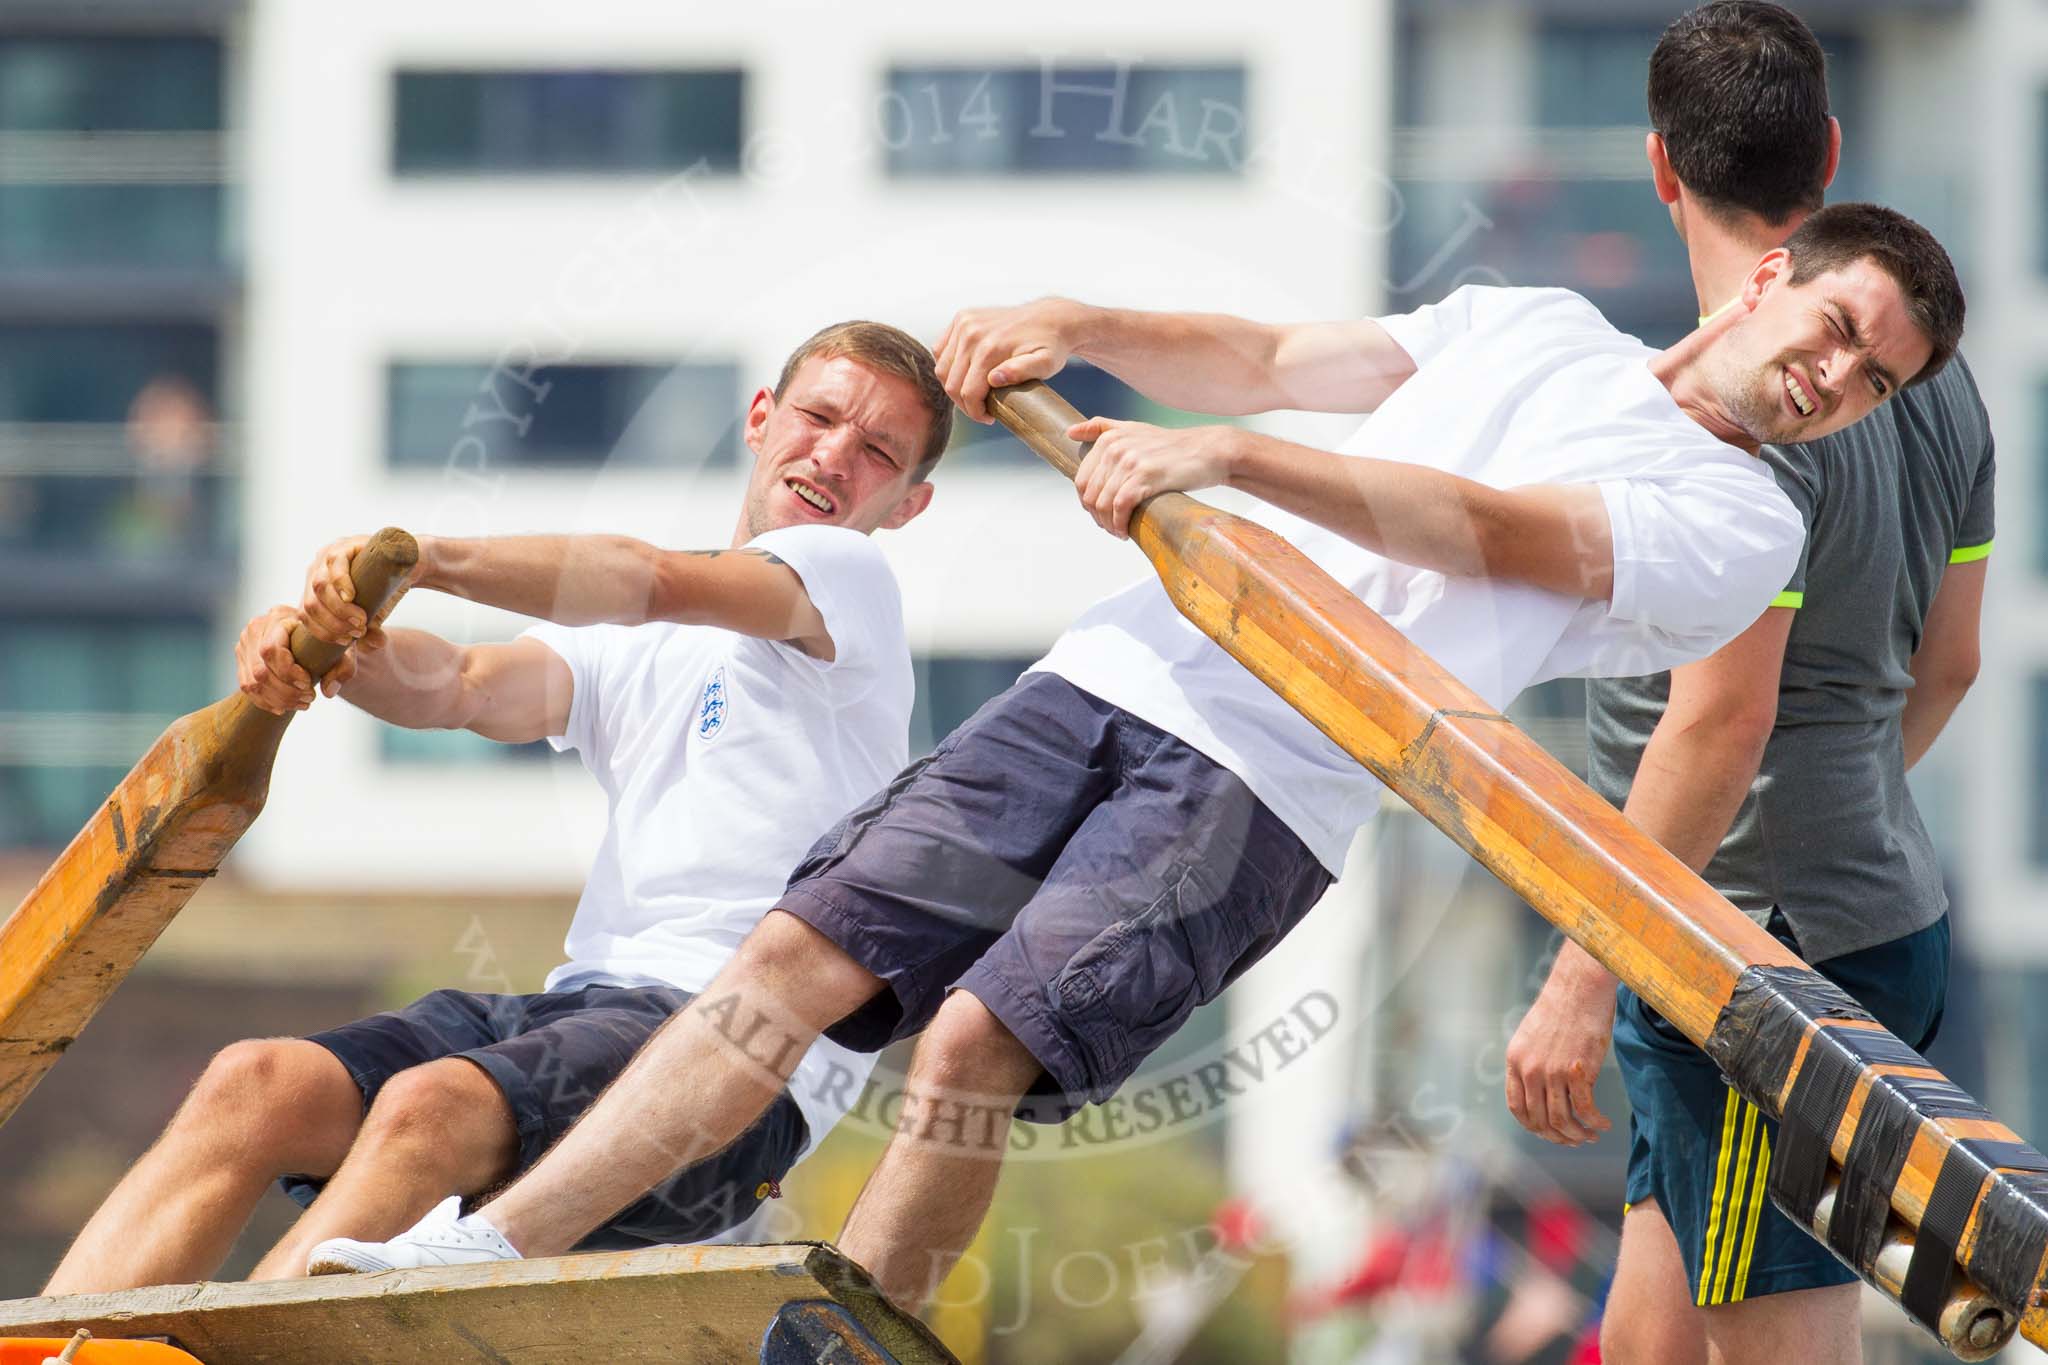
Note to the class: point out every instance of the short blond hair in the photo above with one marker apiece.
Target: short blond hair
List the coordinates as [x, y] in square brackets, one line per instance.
[889, 350]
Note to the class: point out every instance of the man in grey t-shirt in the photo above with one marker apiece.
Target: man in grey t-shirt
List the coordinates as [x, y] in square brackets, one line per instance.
[1778, 766]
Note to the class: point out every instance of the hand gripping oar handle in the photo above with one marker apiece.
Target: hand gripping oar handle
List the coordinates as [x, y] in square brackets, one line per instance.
[381, 571]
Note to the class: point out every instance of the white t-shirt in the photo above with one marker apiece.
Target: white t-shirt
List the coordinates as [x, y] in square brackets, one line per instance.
[1512, 387]
[724, 758]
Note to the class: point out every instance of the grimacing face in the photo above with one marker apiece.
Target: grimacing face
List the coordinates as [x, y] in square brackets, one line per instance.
[839, 448]
[1812, 359]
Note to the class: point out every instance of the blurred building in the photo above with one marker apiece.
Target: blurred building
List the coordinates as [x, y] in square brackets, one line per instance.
[120, 308]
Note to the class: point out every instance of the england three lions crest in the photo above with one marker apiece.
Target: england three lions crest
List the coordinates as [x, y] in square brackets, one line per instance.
[711, 709]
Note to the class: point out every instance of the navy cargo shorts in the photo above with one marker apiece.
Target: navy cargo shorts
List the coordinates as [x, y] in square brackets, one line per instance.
[552, 1054]
[1088, 877]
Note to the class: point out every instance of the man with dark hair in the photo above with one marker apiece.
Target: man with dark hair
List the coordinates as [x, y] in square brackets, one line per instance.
[1104, 847]
[1778, 766]
[732, 704]
[1739, 101]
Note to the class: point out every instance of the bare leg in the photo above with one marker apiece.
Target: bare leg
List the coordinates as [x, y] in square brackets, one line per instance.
[439, 1129]
[1811, 1326]
[698, 1084]
[1651, 1318]
[930, 1191]
[262, 1109]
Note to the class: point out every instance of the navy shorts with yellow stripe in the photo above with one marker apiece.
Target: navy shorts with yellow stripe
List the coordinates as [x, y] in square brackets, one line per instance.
[1703, 1153]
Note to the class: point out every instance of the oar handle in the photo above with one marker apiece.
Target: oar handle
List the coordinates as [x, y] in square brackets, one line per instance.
[1040, 419]
[381, 571]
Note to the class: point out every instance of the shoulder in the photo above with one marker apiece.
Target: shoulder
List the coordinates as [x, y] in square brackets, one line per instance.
[1506, 305]
[838, 545]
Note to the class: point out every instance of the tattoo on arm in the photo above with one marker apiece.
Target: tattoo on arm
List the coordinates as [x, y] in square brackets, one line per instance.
[713, 554]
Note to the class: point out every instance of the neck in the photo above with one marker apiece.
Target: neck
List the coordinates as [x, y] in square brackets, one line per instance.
[1682, 371]
[1724, 250]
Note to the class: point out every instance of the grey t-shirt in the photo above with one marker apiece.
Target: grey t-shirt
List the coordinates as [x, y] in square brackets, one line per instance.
[1829, 833]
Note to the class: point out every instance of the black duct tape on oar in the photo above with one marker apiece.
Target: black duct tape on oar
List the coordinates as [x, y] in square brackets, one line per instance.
[1894, 1107]
[2012, 1226]
[1754, 1042]
[1806, 1135]
[1757, 1035]
[1863, 1201]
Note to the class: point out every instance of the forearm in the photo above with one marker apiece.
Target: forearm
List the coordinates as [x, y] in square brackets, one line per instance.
[1554, 538]
[415, 682]
[1691, 782]
[570, 580]
[1200, 362]
[1928, 708]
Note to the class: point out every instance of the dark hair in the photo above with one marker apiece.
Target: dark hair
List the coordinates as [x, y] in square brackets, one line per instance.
[890, 350]
[1739, 93]
[1843, 234]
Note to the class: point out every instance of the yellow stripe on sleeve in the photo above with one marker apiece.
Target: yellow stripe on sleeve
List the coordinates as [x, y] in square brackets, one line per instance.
[1714, 1205]
[1970, 554]
[1795, 600]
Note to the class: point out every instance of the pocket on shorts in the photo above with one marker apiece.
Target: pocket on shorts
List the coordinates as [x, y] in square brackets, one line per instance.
[1143, 975]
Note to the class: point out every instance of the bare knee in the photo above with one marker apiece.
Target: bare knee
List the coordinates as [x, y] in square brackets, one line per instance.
[278, 1104]
[814, 977]
[446, 1116]
[258, 1083]
[966, 1045]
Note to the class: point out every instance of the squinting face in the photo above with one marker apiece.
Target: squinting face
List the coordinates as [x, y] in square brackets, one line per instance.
[837, 449]
[1811, 359]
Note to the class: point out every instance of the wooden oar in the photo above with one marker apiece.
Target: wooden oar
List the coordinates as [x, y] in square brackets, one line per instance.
[138, 860]
[1911, 1182]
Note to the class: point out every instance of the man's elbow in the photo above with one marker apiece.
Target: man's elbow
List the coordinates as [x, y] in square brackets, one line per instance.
[1950, 682]
[1735, 733]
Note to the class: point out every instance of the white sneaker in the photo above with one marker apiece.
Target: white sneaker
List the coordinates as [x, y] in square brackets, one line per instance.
[440, 1238]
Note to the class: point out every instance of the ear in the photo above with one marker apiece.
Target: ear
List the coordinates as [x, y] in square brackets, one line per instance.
[757, 419]
[1773, 270]
[1834, 152]
[1661, 174]
[909, 505]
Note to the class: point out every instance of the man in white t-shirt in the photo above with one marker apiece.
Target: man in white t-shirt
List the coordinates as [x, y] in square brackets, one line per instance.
[768, 692]
[1111, 842]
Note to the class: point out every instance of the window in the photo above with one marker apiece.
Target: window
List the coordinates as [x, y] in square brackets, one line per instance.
[1063, 120]
[1592, 76]
[566, 122]
[74, 373]
[952, 687]
[108, 442]
[483, 417]
[113, 153]
[145, 226]
[1597, 75]
[108, 84]
[80, 701]
[1095, 393]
